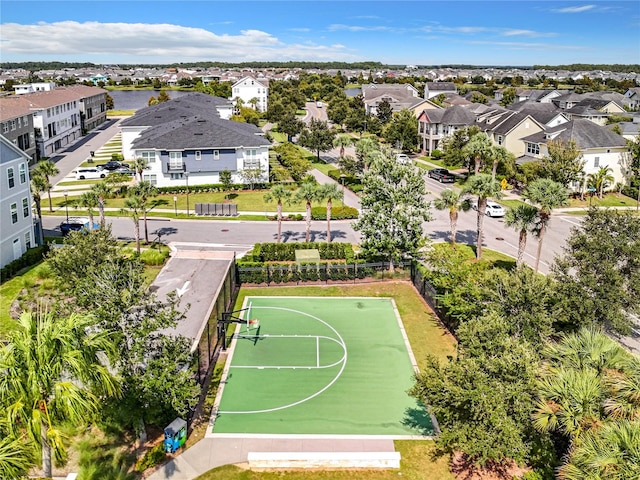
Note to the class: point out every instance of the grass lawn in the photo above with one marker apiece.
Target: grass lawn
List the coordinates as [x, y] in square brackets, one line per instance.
[511, 203]
[79, 182]
[608, 200]
[9, 291]
[279, 137]
[323, 166]
[439, 163]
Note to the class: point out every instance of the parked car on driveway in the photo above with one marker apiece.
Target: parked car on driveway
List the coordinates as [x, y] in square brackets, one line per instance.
[114, 165]
[442, 175]
[403, 159]
[87, 173]
[123, 171]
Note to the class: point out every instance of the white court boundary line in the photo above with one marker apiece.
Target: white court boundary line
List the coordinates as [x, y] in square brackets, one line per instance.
[283, 367]
[293, 404]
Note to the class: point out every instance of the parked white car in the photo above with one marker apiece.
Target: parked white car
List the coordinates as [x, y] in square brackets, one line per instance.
[403, 159]
[493, 209]
[88, 173]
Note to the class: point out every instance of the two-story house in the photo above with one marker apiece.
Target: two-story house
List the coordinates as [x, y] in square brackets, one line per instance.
[93, 105]
[186, 142]
[16, 221]
[402, 96]
[436, 124]
[507, 128]
[253, 93]
[433, 89]
[600, 147]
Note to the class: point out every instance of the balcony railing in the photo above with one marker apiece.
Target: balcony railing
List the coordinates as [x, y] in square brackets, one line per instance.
[176, 167]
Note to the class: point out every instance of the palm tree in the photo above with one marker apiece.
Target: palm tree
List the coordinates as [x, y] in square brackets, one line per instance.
[330, 192]
[144, 190]
[342, 141]
[47, 169]
[89, 200]
[278, 193]
[611, 453]
[254, 102]
[548, 195]
[454, 201]
[499, 155]
[308, 193]
[38, 184]
[134, 208]
[483, 187]
[139, 165]
[523, 219]
[102, 191]
[51, 374]
[480, 148]
[600, 180]
[16, 454]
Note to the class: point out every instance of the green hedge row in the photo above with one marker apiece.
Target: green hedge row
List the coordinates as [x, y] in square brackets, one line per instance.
[289, 273]
[337, 213]
[30, 257]
[283, 252]
[210, 188]
[347, 179]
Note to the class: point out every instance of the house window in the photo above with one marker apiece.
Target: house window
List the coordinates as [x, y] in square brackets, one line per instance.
[499, 139]
[10, 177]
[151, 178]
[27, 240]
[596, 162]
[5, 127]
[22, 172]
[216, 154]
[251, 159]
[198, 155]
[14, 213]
[150, 157]
[175, 161]
[176, 176]
[13, 125]
[25, 121]
[25, 207]
[533, 148]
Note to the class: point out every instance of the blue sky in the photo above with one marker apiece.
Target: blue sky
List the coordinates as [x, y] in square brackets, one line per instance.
[434, 32]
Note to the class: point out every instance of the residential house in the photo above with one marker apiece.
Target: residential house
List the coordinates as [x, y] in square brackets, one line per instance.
[507, 128]
[433, 89]
[25, 88]
[399, 96]
[16, 121]
[247, 89]
[600, 147]
[423, 104]
[185, 140]
[436, 124]
[16, 221]
[632, 98]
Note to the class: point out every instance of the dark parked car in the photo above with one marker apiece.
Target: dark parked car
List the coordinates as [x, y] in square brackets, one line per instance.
[442, 175]
[114, 165]
[77, 224]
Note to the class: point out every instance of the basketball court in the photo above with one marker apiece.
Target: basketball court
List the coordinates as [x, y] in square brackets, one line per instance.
[319, 366]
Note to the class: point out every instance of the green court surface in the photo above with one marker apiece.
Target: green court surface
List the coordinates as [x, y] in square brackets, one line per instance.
[320, 365]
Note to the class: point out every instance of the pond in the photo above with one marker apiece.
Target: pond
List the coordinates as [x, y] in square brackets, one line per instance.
[137, 99]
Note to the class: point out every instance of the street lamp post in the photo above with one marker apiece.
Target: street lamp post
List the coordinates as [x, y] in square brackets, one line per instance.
[175, 206]
[186, 176]
[66, 204]
[342, 177]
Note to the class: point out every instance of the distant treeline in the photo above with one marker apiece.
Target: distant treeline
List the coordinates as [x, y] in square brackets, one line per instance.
[575, 67]
[36, 66]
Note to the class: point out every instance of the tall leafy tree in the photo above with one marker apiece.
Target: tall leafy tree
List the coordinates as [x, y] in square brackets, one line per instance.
[47, 169]
[453, 145]
[393, 209]
[330, 192]
[384, 112]
[308, 193]
[523, 219]
[454, 201]
[279, 194]
[547, 195]
[483, 187]
[51, 372]
[290, 125]
[317, 137]
[598, 274]
[402, 130]
[564, 163]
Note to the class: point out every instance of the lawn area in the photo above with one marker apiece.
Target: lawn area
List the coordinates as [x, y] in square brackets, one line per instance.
[439, 163]
[324, 167]
[10, 290]
[511, 203]
[279, 137]
[608, 200]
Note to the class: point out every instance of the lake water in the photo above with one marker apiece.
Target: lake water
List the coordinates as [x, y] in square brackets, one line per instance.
[137, 99]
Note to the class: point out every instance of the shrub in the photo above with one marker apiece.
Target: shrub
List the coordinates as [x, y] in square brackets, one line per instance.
[278, 252]
[153, 257]
[337, 213]
[153, 457]
[29, 258]
[436, 154]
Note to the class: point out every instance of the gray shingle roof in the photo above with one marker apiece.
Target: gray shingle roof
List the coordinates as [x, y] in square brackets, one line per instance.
[584, 132]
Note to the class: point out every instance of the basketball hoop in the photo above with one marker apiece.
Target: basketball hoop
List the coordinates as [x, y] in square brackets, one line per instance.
[253, 323]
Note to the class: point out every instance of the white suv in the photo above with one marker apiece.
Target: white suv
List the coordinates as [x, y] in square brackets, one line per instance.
[494, 209]
[87, 173]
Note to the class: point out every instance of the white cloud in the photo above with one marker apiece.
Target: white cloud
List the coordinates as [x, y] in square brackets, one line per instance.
[359, 28]
[151, 43]
[300, 29]
[582, 8]
[528, 45]
[526, 33]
